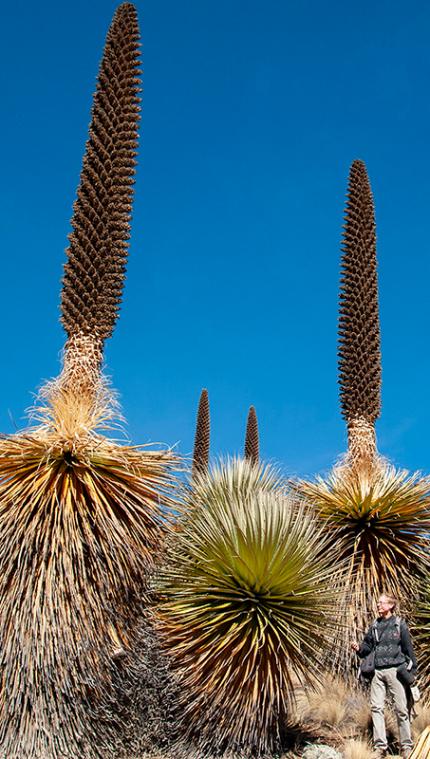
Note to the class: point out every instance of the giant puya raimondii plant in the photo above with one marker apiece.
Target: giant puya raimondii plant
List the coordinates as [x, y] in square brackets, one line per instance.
[80, 515]
[243, 591]
[381, 514]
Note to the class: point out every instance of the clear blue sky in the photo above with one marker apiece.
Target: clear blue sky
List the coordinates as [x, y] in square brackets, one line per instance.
[253, 113]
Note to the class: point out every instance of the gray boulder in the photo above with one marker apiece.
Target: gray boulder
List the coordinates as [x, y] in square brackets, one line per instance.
[320, 751]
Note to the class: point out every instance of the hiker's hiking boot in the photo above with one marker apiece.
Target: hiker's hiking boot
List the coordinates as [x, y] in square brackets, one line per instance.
[406, 753]
[380, 752]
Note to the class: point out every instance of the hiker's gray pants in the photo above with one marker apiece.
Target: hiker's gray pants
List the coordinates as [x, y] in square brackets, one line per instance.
[385, 681]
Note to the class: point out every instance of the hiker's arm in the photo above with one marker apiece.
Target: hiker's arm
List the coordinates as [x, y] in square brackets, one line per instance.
[367, 644]
[407, 646]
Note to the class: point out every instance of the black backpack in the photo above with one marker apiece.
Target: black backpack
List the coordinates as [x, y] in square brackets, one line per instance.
[367, 664]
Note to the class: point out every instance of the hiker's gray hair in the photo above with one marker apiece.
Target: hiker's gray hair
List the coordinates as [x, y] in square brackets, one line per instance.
[391, 599]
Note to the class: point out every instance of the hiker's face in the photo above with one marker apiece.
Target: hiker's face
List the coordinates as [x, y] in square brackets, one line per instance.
[384, 605]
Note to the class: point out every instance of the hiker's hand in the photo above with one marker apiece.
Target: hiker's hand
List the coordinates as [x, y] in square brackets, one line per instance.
[355, 646]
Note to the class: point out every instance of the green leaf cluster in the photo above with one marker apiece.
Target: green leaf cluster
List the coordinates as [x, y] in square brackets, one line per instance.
[246, 599]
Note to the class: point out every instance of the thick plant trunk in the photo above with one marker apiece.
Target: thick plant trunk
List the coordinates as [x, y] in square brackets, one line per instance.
[362, 451]
[78, 400]
[83, 355]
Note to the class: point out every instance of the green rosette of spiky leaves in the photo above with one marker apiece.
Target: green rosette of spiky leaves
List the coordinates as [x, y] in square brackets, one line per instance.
[383, 521]
[245, 605]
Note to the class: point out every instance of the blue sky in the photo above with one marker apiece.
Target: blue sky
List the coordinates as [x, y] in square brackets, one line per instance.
[252, 114]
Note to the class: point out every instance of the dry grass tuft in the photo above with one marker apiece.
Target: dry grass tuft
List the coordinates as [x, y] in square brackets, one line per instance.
[339, 712]
[422, 719]
[328, 708]
[334, 711]
[356, 749]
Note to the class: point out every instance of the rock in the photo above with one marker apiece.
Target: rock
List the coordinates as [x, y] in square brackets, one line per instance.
[320, 751]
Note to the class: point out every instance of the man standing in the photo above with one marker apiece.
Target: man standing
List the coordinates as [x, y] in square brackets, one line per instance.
[395, 663]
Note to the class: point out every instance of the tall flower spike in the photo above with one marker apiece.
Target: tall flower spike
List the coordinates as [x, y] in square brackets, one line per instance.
[202, 438]
[95, 271]
[359, 337]
[252, 446]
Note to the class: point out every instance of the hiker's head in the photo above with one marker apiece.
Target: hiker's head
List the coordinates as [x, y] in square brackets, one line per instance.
[386, 605]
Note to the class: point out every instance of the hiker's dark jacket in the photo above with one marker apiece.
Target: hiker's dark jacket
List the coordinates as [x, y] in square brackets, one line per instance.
[392, 643]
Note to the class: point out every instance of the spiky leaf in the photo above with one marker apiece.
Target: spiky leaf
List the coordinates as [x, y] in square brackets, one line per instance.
[94, 272]
[422, 745]
[245, 590]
